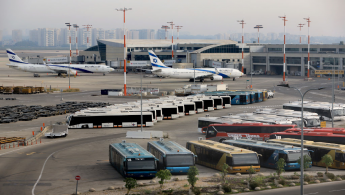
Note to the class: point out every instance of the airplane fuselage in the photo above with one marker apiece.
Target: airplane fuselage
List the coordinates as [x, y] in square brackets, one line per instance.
[189, 73]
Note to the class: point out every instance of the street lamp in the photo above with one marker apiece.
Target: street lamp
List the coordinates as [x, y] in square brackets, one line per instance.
[302, 135]
[333, 88]
[70, 55]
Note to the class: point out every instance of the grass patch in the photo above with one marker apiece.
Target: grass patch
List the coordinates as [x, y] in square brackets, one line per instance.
[53, 89]
[71, 90]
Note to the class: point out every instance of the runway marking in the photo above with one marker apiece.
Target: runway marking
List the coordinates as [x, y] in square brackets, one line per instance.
[30, 153]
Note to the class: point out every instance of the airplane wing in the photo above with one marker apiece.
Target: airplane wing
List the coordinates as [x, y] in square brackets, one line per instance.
[12, 65]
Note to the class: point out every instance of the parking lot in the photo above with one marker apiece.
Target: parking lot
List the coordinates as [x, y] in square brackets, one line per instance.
[84, 152]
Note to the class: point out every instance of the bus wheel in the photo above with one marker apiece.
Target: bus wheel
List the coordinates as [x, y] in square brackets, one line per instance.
[233, 79]
[221, 140]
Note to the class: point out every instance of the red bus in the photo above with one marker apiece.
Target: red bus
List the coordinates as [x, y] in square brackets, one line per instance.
[315, 136]
[329, 130]
[256, 131]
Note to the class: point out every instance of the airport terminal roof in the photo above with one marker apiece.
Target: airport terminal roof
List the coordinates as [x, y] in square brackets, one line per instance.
[162, 43]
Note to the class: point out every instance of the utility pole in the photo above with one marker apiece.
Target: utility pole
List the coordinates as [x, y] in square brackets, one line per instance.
[76, 38]
[308, 20]
[172, 39]
[124, 47]
[300, 31]
[166, 34]
[242, 22]
[284, 19]
[178, 30]
[258, 27]
[70, 54]
[87, 28]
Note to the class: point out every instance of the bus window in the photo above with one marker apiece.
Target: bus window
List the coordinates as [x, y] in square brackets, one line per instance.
[140, 164]
[283, 156]
[229, 160]
[245, 159]
[211, 133]
[179, 160]
[340, 157]
[294, 155]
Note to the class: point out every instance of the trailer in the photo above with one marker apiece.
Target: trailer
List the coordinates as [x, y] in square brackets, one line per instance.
[58, 130]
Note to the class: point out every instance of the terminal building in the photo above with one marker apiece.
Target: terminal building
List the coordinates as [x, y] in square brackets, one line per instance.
[267, 58]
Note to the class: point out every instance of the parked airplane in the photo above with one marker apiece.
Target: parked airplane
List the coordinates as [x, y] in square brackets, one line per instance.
[72, 69]
[216, 74]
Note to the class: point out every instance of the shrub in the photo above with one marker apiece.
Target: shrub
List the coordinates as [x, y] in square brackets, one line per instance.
[319, 174]
[227, 188]
[254, 184]
[71, 90]
[163, 175]
[196, 191]
[306, 161]
[192, 175]
[280, 166]
[330, 175]
[130, 184]
[282, 181]
[307, 178]
[328, 160]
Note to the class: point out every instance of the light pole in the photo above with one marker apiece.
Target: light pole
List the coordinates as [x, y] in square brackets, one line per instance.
[141, 99]
[284, 19]
[172, 39]
[76, 38]
[165, 27]
[194, 72]
[242, 22]
[124, 47]
[70, 54]
[87, 28]
[308, 20]
[178, 30]
[258, 27]
[302, 135]
[300, 31]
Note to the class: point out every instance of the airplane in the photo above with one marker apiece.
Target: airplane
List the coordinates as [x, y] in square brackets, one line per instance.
[216, 74]
[71, 69]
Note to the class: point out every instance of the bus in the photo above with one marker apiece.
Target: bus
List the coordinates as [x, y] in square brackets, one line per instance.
[199, 104]
[256, 131]
[169, 111]
[108, 118]
[214, 154]
[319, 136]
[172, 156]
[270, 153]
[208, 103]
[131, 160]
[337, 151]
[239, 98]
[204, 122]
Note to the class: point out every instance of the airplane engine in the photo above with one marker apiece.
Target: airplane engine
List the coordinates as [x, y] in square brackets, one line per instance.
[216, 78]
[72, 72]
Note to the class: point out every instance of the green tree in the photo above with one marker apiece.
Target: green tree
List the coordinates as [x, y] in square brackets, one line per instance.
[306, 161]
[328, 160]
[192, 176]
[280, 166]
[130, 183]
[251, 171]
[224, 172]
[163, 175]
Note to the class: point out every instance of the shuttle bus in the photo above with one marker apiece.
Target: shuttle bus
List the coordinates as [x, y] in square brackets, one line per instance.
[131, 160]
[214, 155]
[270, 153]
[337, 151]
[172, 156]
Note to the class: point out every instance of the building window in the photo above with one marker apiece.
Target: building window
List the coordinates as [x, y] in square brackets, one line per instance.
[259, 59]
[87, 56]
[310, 49]
[232, 48]
[293, 60]
[196, 48]
[275, 49]
[102, 50]
[292, 49]
[341, 49]
[328, 49]
[313, 61]
[276, 60]
[330, 61]
[189, 48]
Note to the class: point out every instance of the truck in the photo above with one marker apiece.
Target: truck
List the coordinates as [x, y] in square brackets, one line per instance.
[58, 130]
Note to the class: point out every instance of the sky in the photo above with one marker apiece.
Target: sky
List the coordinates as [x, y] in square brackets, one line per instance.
[198, 17]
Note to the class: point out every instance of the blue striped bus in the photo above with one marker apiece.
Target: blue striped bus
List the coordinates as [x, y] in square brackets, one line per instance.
[270, 153]
[172, 156]
[132, 160]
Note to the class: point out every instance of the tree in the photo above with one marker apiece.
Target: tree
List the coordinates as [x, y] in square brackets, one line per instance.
[191, 175]
[280, 166]
[163, 175]
[224, 172]
[328, 160]
[130, 183]
[306, 161]
[251, 171]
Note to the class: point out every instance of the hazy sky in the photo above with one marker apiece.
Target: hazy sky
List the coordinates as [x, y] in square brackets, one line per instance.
[204, 17]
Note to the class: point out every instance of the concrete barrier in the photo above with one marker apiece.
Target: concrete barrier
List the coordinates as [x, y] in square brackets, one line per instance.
[156, 134]
[138, 135]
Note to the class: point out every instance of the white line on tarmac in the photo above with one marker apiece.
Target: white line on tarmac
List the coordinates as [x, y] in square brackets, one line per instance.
[337, 190]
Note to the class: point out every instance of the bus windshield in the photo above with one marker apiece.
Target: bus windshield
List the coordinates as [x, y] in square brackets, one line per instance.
[142, 164]
[245, 159]
[179, 160]
[294, 155]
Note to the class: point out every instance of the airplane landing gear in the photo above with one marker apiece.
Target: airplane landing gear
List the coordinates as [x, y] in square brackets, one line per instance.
[191, 80]
[234, 79]
[201, 80]
[59, 74]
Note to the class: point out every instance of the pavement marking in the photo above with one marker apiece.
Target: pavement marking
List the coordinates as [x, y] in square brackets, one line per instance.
[312, 193]
[30, 153]
[337, 190]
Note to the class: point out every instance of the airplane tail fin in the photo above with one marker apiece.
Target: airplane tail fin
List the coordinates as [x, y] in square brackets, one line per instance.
[13, 57]
[155, 61]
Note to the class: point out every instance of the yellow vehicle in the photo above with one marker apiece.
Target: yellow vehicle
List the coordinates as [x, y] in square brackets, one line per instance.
[214, 154]
[319, 149]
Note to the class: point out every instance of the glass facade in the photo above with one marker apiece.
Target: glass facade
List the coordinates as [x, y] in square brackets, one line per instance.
[93, 48]
[292, 49]
[310, 49]
[102, 51]
[232, 48]
[314, 61]
[259, 59]
[275, 49]
[330, 61]
[147, 58]
[293, 60]
[341, 49]
[328, 49]
[276, 60]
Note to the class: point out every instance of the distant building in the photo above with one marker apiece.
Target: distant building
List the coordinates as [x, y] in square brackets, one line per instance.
[110, 34]
[33, 36]
[57, 37]
[84, 37]
[97, 33]
[133, 34]
[46, 37]
[0, 35]
[17, 36]
[146, 34]
[160, 34]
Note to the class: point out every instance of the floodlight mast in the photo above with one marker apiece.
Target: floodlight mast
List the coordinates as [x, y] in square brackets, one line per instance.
[242, 22]
[258, 27]
[284, 19]
[166, 34]
[87, 28]
[70, 54]
[76, 38]
[300, 30]
[308, 20]
[178, 31]
[124, 47]
[172, 39]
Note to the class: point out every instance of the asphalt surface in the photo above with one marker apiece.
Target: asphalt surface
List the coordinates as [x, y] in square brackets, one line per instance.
[85, 152]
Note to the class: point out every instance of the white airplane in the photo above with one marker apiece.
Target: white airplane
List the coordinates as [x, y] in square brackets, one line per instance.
[72, 69]
[216, 74]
